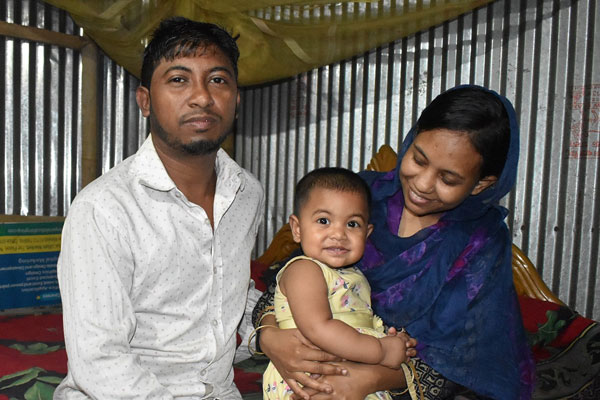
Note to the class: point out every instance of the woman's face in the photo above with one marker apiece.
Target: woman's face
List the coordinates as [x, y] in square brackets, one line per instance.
[439, 170]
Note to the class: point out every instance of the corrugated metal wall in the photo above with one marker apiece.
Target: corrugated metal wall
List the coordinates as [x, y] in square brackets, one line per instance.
[123, 128]
[543, 55]
[39, 111]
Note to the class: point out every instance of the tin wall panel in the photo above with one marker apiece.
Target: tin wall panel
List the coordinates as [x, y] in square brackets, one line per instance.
[543, 55]
[39, 111]
[122, 127]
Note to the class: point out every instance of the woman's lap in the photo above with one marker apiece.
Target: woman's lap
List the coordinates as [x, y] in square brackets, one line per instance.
[433, 384]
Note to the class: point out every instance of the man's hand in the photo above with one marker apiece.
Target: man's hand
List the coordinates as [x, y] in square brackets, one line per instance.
[294, 356]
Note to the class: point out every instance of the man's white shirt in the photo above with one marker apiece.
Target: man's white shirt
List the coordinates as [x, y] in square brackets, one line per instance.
[152, 295]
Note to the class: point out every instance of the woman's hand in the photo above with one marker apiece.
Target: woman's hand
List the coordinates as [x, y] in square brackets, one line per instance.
[294, 356]
[361, 380]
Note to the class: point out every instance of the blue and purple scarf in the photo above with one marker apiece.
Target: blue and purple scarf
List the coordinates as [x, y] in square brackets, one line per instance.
[451, 285]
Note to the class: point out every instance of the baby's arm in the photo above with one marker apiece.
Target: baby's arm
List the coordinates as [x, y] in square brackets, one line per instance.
[304, 285]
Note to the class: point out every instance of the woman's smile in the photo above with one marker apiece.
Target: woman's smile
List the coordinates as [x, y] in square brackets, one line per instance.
[418, 199]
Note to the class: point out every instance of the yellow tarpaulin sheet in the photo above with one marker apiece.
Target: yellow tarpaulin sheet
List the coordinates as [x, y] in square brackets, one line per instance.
[278, 39]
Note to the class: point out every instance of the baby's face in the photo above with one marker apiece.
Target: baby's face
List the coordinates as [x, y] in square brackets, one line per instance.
[333, 226]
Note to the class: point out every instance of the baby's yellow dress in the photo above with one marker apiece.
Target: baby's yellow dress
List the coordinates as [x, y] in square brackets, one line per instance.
[349, 300]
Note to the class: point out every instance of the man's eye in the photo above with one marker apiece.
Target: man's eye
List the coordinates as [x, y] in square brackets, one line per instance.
[323, 221]
[177, 79]
[353, 224]
[219, 80]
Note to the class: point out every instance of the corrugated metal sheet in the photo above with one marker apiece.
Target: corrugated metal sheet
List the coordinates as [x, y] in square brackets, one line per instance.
[123, 128]
[41, 112]
[41, 148]
[543, 55]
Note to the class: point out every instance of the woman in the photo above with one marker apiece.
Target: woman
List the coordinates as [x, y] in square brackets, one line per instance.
[439, 258]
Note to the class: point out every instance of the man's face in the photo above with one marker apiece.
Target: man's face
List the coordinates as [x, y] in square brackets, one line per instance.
[192, 102]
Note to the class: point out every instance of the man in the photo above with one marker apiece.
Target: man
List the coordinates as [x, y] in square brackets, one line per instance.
[154, 268]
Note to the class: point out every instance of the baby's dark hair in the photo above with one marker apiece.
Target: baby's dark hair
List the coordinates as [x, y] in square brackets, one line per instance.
[181, 37]
[478, 113]
[334, 178]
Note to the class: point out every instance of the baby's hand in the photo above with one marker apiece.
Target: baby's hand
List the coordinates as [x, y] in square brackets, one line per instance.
[411, 343]
[394, 351]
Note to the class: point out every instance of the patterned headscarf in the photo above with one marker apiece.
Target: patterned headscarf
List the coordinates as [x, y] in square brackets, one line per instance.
[451, 285]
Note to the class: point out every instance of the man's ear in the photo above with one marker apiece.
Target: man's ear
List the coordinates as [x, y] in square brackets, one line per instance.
[142, 96]
[295, 228]
[484, 183]
[237, 104]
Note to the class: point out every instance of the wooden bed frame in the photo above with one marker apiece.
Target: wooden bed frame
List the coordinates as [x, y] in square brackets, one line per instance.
[527, 280]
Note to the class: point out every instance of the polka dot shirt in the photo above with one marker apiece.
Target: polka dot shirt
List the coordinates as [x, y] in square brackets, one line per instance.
[152, 295]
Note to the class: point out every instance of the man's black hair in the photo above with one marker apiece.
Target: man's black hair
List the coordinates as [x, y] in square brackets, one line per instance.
[478, 113]
[181, 37]
[334, 178]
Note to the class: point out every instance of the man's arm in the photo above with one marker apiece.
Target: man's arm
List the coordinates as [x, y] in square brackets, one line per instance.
[95, 272]
[246, 327]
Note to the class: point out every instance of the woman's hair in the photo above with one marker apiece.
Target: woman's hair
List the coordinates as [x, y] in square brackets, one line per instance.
[334, 178]
[181, 37]
[478, 113]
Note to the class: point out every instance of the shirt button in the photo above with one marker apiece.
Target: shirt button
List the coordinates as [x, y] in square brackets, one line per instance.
[215, 323]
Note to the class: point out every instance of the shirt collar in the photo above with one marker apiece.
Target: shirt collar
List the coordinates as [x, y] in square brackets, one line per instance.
[153, 174]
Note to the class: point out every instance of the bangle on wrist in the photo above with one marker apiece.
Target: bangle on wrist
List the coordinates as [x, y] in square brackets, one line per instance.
[254, 333]
[266, 311]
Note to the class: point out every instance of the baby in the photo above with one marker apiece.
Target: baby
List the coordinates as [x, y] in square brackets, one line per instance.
[322, 293]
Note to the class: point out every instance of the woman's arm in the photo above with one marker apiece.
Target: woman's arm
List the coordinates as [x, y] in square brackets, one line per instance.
[361, 380]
